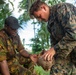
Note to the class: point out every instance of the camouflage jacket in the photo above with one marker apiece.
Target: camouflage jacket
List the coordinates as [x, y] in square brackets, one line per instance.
[9, 50]
[62, 28]
[9, 46]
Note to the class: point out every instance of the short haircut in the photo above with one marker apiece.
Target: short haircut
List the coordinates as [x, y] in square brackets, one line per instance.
[35, 7]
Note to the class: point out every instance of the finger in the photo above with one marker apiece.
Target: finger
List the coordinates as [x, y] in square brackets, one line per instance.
[51, 57]
[48, 57]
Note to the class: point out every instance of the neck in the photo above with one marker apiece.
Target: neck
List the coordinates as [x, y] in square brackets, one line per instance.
[49, 9]
[11, 35]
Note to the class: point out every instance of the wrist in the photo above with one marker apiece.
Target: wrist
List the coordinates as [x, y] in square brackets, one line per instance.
[29, 55]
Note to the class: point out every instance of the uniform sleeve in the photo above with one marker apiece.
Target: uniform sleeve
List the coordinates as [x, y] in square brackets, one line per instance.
[52, 41]
[67, 18]
[3, 50]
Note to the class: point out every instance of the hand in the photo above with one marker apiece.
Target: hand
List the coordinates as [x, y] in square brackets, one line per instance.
[34, 58]
[48, 55]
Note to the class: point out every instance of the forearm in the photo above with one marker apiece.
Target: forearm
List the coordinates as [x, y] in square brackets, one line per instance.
[64, 47]
[24, 53]
[4, 68]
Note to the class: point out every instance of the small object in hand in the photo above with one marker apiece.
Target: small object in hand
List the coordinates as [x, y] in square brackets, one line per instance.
[46, 65]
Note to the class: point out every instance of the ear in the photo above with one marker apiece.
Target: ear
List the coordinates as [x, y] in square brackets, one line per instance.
[43, 7]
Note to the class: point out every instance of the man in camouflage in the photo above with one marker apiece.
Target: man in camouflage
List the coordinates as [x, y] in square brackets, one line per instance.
[12, 52]
[61, 20]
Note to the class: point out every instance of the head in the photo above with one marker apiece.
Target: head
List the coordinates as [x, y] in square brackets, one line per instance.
[40, 11]
[11, 25]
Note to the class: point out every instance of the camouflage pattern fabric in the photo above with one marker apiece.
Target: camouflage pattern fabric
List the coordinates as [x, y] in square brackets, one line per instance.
[63, 67]
[9, 47]
[62, 28]
[27, 63]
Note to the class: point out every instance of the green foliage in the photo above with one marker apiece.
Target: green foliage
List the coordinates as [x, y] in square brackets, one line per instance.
[4, 12]
[40, 71]
[36, 47]
[43, 34]
[24, 5]
[53, 2]
[2, 2]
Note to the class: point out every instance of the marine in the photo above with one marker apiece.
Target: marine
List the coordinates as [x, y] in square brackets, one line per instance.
[61, 19]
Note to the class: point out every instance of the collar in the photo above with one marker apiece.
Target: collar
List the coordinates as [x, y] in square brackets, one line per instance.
[53, 14]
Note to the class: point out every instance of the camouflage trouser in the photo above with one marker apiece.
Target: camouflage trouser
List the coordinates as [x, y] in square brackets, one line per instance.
[21, 66]
[19, 70]
[63, 67]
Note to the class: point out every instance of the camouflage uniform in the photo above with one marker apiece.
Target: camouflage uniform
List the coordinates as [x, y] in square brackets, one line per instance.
[9, 48]
[62, 28]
